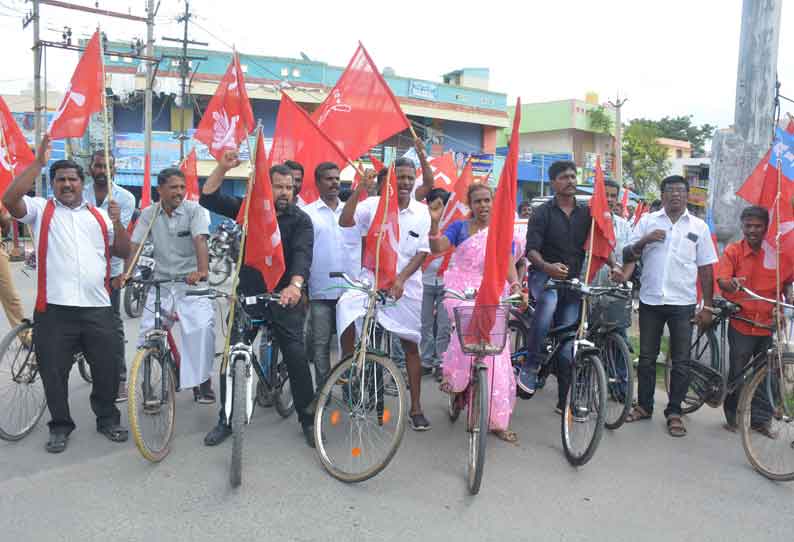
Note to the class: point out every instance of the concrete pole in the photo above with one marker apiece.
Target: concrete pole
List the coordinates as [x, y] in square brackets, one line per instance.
[147, 98]
[618, 106]
[735, 152]
[37, 113]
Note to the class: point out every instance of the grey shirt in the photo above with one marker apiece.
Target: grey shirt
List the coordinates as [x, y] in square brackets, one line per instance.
[172, 237]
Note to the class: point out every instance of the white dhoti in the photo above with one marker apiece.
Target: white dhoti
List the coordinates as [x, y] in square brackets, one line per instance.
[403, 319]
[196, 337]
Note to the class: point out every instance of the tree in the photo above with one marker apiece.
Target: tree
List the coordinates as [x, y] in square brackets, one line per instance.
[600, 121]
[681, 128]
[644, 160]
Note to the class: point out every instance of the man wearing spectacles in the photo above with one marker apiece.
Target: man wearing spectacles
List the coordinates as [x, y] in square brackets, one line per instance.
[676, 252]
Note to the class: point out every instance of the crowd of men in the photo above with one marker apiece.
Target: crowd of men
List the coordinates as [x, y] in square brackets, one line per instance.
[83, 248]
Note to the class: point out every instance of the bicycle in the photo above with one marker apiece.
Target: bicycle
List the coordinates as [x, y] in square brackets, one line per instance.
[476, 397]
[360, 416]
[584, 413]
[766, 404]
[153, 383]
[224, 246]
[21, 384]
[136, 292]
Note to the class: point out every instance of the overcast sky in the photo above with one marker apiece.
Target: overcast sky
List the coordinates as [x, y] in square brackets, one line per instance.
[675, 57]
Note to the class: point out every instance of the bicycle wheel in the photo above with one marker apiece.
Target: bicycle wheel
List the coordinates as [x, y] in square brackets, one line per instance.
[360, 418]
[83, 367]
[22, 399]
[219, 270]
[135, 299]
[282, 392]
[151, 405]
[620, 379]
[766, 422]
[583, 418]
[518, 340]
[479, 402]
[239, 402]
[704, 349]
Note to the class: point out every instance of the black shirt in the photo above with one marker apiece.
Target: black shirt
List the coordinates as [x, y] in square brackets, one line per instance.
[558, 237]
[297, 239]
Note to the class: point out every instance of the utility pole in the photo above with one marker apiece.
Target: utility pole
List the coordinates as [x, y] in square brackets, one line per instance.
[617, 105]
[184, 73]
[37, 114]
[147, 97]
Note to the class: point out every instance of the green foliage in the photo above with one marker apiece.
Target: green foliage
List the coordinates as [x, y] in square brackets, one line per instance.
[681, 128]
[600, 120]
[644, 160]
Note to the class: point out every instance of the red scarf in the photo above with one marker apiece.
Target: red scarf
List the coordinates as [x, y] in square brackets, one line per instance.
[41, 259]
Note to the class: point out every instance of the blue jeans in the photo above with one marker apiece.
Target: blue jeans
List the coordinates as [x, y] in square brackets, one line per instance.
[435, 326]
[557, 307]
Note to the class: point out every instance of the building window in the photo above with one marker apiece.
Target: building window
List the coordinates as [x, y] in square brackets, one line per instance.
[284, 72]
[679, 153]
[296, 72]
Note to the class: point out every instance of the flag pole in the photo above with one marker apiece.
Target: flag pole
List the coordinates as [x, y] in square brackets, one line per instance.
[105, 122]
[587, 272]
[781, 329]
[243, 236]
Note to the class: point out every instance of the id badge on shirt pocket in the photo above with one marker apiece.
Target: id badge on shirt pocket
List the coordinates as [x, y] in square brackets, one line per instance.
[409, 244]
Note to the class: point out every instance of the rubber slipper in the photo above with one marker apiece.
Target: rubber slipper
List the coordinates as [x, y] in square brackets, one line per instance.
[114, 433]
[57, 443]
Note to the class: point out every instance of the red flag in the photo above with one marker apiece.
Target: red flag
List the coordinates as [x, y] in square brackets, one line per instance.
[377, 165]
[639, 211]
[361, 99]
[383, 260]
[189, 168]
[602, 237]
[15, 153]
[445, 171]
[297, 137]
[228, 118]
[83, 97]
[264, 252]
[624, 203]
[498, 248]
[146, 190]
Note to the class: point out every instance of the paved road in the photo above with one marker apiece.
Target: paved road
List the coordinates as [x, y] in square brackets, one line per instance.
[641, 484]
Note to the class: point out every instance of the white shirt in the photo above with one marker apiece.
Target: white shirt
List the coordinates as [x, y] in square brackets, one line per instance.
[299, 203]
[126, 202]
[329, 253]
[414, 229]
[622, 236]
[670, 267]
[76, 264]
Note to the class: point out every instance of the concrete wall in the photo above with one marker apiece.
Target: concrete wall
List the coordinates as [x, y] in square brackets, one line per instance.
[552, 141]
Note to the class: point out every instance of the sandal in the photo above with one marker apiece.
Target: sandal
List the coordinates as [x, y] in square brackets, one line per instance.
[506, 435]
[637, 413]
[57, 443]
[675, 426]
[445, 387]
[766, 430]
[114, 433]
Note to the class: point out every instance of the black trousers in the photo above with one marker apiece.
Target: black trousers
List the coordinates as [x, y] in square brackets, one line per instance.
[115, 302]
[742, 348]
[286, 325]
[57, 334]
[653, 318]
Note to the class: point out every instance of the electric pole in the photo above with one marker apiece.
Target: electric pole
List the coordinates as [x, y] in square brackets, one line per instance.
[147, 97]
[617, 105]
[37, 114]
[184, 73]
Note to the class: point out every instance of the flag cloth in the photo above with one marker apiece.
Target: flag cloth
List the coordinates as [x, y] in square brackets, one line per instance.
[602, 239]
[146, 189]
[377, 165]
[189, 168]
[361, 99]
[228, 118]
[383, 260]
[83, 97]
[15, 153]
[641, 209]
[445, 171]
[297, 137]
[498, 248]
[263, 249]
[624, 203]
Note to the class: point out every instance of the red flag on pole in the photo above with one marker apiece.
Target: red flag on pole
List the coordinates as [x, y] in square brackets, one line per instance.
[190, 169]
[639, 211]
[83, 97]
[263, 248]
[445, 171]
[360, 98]
[380, 255]
[146, 189]
[377, 165]
[15, 154]
[297, 137]
[602, 237]
[228, 118]
[624, 203]
[499, 244]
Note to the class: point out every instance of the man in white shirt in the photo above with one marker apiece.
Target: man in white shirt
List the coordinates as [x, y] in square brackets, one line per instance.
[97, 194]
[676, 252]
[74, 244]
[329, 255]
[404, 318]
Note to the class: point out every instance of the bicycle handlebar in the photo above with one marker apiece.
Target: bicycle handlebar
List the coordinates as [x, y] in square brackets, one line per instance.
[621, 292]
[757, 297]
[245, 300]
[470, 293]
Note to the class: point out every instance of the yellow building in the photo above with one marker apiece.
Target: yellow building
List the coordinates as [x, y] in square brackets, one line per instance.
[675, 148]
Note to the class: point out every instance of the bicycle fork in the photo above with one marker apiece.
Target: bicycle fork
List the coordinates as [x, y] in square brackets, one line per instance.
[239, 354]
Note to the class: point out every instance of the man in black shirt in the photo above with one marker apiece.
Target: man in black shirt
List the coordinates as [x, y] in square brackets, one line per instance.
[286, 317]
[556, 237]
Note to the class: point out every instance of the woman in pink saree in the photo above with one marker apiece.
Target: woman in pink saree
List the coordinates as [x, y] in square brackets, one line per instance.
[468, 238]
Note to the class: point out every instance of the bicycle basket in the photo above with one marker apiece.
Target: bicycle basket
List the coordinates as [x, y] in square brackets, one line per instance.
[707, 383]
[608, 312]
[482, 330]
